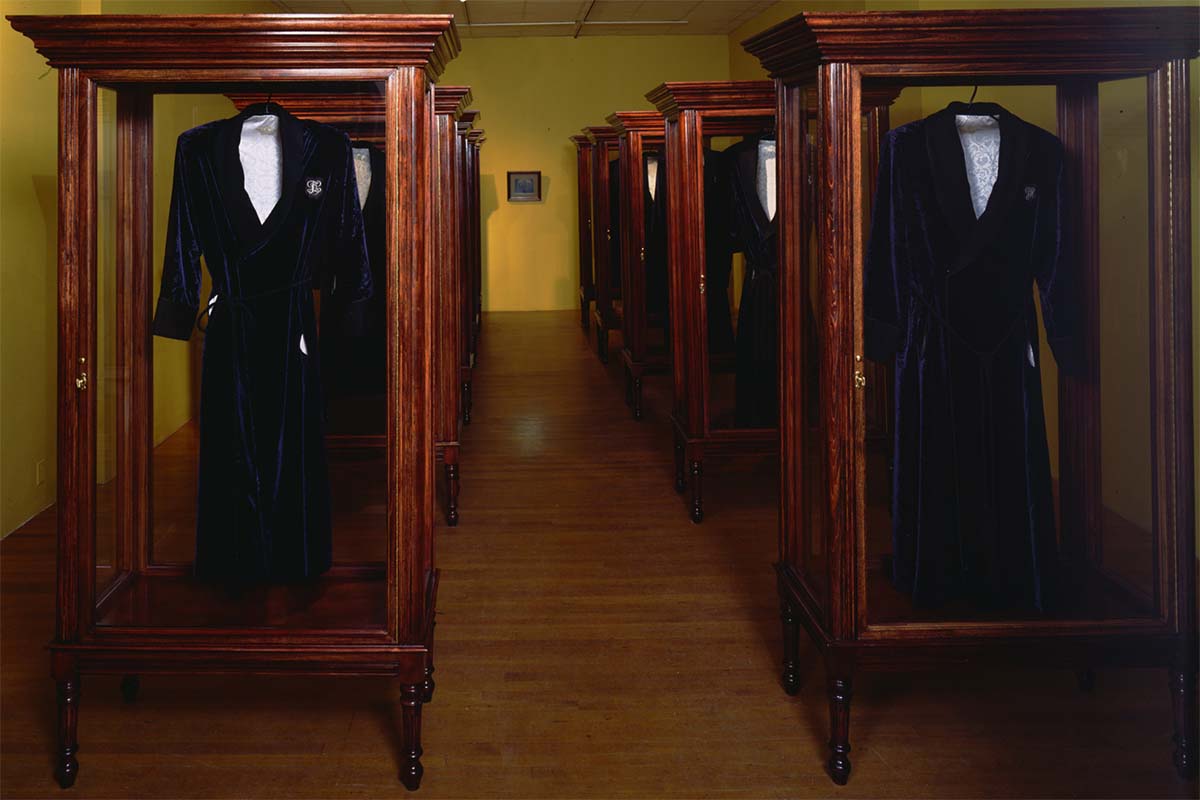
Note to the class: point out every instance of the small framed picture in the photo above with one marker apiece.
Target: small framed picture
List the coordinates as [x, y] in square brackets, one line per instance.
[525, 187]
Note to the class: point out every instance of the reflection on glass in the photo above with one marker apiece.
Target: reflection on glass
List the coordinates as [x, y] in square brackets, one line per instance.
[103, 376]
[1126, 548]
[740, 281]
[246, 483]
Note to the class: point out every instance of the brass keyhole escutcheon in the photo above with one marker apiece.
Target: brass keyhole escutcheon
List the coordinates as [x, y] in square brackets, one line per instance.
[860, 380]
[643, 254]
[81, 379]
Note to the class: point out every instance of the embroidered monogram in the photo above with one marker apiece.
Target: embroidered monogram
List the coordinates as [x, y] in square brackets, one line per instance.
[1030, 193]
[313, 186]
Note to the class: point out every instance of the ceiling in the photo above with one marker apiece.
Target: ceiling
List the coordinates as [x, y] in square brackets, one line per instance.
[558, 17]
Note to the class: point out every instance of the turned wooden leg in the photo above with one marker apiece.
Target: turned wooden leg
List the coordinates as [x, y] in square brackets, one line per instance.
[1087, 679]
[839, 728]
[452, 487]
[466, 402]
[637, 399]
[130, 685]
[695, 479]
[1182, 682]
[791, 650]
[410, 708]
[67, 767]
[680, 483]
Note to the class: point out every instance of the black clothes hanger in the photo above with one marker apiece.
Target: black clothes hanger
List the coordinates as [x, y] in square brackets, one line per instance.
[992, 110]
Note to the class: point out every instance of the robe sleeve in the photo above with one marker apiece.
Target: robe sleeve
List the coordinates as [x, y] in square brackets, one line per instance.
[179, 292]
[351, 284]
[885, 281]
[1053, 270]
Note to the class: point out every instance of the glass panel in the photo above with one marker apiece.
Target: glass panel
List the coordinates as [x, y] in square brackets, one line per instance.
[654, 240]
[740, 282]
[264, 512]
[103, 377]
[614, 216]
[962, 491]
[1127, 550]
[724, 271]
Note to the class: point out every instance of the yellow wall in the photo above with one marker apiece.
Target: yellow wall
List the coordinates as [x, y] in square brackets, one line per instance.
[28, 266]
[533, 93]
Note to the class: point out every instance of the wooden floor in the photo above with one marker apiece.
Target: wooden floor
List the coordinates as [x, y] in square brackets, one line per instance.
[591, 643]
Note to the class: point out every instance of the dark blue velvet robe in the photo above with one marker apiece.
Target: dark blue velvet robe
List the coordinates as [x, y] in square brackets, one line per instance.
[357, 364]
[950, 297]
[756, 236]
[263, 496]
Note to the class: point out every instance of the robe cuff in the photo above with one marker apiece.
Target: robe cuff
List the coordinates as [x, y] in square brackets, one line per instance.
[880, 339]
[353, 319]
[173, 320]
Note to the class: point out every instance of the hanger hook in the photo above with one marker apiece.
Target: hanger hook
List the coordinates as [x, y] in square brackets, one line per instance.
[974, 92]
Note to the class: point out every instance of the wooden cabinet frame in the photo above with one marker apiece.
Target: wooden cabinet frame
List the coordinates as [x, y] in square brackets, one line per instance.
[637, 131]
[583, 168]
[837, 55]
[693, 111]
[468, 143]
[606, 313]
[138, 56]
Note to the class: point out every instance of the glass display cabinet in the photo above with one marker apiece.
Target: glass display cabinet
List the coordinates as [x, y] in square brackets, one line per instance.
[643, 200]
[699, 219]
[340, 578]
[1067, 538]
[469, 141]
[606, 237]
[583, 171]
[476, 137]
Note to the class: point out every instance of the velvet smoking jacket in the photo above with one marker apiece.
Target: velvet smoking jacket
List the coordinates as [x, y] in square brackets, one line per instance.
[263, 497]
[756, 236]
[950, 298]
[352, 363]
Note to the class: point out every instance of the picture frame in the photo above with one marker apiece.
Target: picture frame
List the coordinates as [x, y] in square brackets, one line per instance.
[525, 186]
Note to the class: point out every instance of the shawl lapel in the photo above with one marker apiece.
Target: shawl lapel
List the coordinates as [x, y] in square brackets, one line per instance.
[946, 162]
[297, 144]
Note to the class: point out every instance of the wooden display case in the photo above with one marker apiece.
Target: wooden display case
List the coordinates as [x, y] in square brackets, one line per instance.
[475, 267]
[694, 112]
[828, 580]
[468, 146]
[587, 285]
[639, 132]
[150, 616]
[606, 310]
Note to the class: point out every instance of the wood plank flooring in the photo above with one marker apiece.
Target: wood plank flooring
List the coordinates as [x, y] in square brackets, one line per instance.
[591, 643]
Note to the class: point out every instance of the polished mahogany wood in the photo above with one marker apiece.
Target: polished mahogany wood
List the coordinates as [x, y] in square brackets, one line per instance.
[137, 55]
[606, 313]
[583, 172]
[449, 104]
[823, 497]
[472, 275]
[638, 131]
